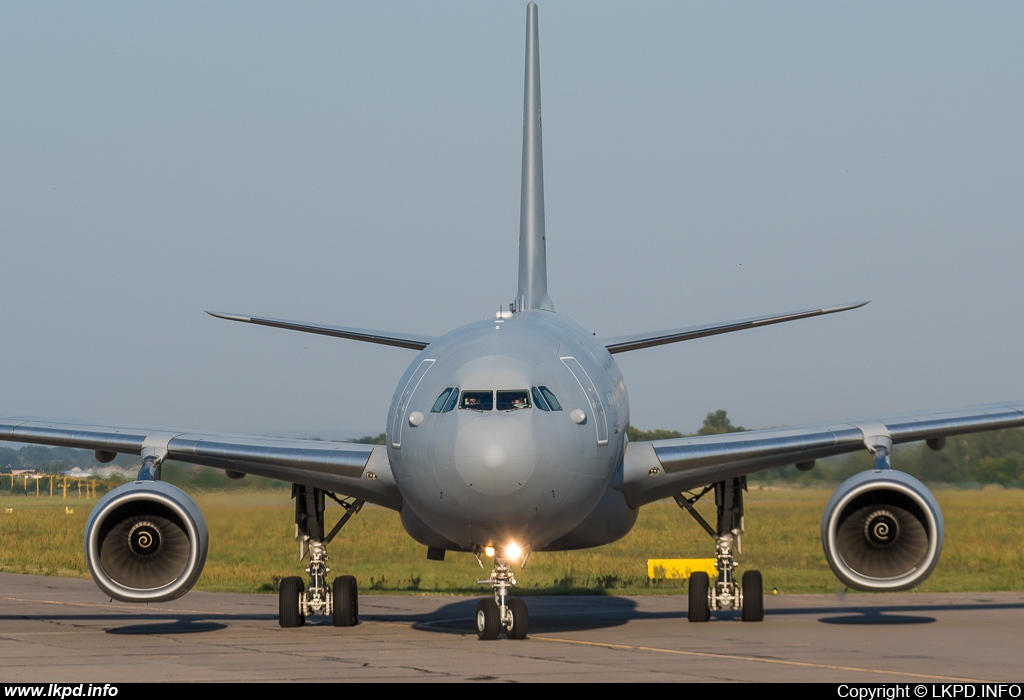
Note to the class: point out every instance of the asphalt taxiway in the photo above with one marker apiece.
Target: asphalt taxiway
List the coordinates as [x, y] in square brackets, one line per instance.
[65, 630]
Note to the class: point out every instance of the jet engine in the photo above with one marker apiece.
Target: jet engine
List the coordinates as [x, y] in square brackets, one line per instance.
[146, 542]
[882, 531]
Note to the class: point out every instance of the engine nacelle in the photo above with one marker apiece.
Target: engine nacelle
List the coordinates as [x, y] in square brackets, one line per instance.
[882, 531]
[146, 542]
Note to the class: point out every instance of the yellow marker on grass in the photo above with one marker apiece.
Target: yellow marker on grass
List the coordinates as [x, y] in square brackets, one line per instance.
[680, 568]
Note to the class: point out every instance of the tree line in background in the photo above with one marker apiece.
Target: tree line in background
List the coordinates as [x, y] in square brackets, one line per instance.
[970, 460]
[53, 460]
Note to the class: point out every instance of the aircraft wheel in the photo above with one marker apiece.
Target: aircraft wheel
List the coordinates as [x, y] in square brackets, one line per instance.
[488, 619]
[699, 610]
[753, 597]
[289, 612]
[520, 626]
[346, 601]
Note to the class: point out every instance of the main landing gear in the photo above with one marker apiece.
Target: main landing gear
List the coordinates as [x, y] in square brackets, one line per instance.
[502, 612]
[341, 600]
[726, 594]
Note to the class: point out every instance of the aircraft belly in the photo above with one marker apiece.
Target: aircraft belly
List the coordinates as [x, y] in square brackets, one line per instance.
[610, 520]
[547, 505]
[424, 534]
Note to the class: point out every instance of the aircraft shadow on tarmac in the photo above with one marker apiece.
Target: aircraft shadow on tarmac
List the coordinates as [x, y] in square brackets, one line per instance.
[565, 614]
[548, 615]
[910, 614]
[183, 625]
[147, 623]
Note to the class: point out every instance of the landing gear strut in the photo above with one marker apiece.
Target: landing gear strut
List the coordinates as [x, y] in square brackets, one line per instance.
[503, 611]
[726, 594]
[340, 601]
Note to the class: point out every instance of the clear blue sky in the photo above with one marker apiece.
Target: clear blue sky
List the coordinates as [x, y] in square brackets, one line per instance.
[345, 162]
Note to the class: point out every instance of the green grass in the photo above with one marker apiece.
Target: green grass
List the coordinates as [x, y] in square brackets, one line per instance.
[251, 546]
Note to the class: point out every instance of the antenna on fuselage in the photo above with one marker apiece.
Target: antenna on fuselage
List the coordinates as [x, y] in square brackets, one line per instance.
[533, 266]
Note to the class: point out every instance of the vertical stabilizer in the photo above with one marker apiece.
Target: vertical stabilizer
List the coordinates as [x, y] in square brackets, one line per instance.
[533, 265]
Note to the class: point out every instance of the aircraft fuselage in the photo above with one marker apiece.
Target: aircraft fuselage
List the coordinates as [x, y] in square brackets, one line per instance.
[490, 465]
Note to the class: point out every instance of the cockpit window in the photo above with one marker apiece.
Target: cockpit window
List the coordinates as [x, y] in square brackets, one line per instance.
[538, 399]
[452, 400]
[477, 400]
[443, 398]
[513, 400]
[552, 401]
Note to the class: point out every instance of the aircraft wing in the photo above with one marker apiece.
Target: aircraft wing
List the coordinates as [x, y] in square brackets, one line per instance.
[362, 471]
[638, 341]
[660, 468]
[411, 341]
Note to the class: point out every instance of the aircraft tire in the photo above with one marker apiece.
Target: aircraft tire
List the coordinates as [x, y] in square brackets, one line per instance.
[520, 626]
[289, 613]
[488, 619]
[753, 597]
[699, 610]
[346, 602]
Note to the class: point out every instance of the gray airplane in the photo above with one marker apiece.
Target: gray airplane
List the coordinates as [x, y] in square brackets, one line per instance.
[508, 436]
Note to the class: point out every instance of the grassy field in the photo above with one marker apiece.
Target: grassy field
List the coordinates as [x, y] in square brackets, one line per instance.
[251, 546]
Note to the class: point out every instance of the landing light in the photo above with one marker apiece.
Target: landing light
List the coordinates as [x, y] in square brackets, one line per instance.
[513, 551]
[489, 550]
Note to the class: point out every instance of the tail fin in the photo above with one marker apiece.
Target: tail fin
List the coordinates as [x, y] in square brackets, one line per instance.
[533, 265]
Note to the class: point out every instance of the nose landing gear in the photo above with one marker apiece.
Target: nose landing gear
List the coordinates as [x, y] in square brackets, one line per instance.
[503, 612]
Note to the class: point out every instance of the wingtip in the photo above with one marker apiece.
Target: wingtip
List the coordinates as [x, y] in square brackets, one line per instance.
[845, 307]
[228, 317]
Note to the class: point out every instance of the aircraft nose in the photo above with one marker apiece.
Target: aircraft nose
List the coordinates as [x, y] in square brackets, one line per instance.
[495, 454]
